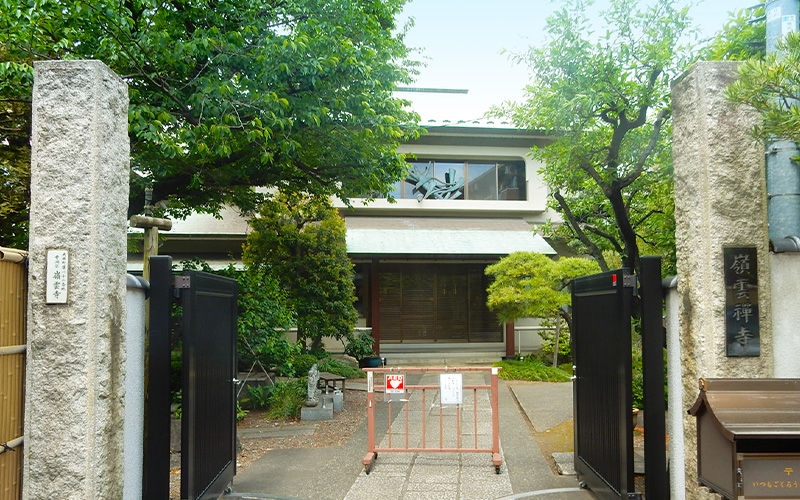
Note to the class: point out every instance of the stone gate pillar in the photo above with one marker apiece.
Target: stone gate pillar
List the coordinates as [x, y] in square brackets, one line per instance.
[720, 201]
[76, 312]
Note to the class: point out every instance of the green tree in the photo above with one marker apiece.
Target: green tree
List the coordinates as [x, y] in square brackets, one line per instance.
[771, 86]
[264, 316]
[15, 155]
[743, 36]
[300, 242]
[227, 95]
[532, 285]
[14, 195]
[604, 98]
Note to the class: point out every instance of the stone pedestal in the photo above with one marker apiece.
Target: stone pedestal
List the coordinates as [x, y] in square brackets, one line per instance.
[338, 401]
[323, 410]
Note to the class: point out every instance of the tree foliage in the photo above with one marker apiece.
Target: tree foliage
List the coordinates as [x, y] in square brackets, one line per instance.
[772, 85]
[263, 317]
[14, 195]
[227, 95]
[300, 242]
[532, 285]
[15, 154]
[743, 36]
[604, 97]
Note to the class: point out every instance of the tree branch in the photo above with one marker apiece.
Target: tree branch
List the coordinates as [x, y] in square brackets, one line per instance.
[606, 236]
[626, 125]
[594, 251]
[647, 216]
[638, 168]
[604, 116]
[642, 115]
[630, 257]
[594, 174]
[161, 84]
[567, 317]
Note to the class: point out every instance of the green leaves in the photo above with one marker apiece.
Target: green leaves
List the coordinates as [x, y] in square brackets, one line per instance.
[744, 36]
[771, 86]
[300, 242]
[605, 100]
[532, 285]
[230, 95]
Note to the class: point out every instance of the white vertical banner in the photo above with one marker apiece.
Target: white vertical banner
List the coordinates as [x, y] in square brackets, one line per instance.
[451, 388]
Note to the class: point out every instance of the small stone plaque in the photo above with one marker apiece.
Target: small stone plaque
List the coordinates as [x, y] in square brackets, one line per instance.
[57, 280]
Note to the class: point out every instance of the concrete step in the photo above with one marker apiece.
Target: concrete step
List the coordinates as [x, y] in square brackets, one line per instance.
[441, 358]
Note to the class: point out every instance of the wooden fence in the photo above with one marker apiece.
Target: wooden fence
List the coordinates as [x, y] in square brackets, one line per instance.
[13, 299]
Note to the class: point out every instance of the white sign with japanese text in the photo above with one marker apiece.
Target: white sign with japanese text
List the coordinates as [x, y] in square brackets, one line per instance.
[57, 279]
[450, 385]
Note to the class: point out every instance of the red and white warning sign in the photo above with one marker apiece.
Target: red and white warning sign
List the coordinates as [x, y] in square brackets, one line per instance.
[395, 383]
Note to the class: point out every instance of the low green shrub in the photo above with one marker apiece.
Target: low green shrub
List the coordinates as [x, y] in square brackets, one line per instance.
[259, 395]
[530, 370]
[286, 399]
[566, 368]
[240, 412]
[341, 368]
[360, 345]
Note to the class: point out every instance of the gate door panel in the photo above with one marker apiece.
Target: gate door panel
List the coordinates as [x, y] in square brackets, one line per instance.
[602, 388]
[208, 455]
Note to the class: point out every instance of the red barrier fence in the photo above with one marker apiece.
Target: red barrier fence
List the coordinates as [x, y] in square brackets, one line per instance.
[450, 393]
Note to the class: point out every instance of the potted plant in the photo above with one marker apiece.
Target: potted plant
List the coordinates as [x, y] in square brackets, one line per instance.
[360, 346]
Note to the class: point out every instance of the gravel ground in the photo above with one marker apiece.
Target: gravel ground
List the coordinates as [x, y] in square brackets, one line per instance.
[327, 433]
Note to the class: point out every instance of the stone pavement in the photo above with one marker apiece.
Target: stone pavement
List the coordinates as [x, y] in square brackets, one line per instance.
[338, 473]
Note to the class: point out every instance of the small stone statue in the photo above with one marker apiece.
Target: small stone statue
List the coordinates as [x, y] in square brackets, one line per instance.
[313, 392]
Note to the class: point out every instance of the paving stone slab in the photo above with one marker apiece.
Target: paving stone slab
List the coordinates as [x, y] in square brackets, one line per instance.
[565, 463]
[295, 430]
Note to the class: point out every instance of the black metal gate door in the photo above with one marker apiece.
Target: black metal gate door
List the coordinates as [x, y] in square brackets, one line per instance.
[602, 388]
[208, 455]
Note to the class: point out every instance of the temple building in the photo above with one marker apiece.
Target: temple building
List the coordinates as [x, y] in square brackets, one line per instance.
[472, 196]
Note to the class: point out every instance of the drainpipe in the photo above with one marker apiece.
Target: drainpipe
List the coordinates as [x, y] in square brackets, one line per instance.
[783, 216]
[782, 172]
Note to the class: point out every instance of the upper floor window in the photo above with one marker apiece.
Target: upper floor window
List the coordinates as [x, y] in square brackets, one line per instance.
[463, 180]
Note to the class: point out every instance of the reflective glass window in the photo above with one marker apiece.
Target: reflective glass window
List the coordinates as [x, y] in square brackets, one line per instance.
[482, 181]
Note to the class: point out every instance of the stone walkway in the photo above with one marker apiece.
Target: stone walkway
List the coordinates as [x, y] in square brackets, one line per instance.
[337, 473]
[435, 475]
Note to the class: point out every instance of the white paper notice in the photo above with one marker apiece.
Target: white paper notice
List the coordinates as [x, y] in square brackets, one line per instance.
[788, 24]
[450, 385]
[57, 277]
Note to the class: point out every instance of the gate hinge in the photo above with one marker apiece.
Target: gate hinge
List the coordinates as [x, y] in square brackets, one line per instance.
[629, 281]
[634, 496]
[182, 282]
